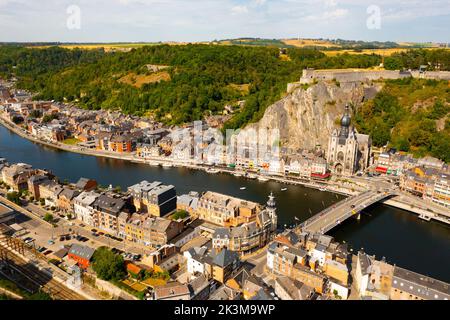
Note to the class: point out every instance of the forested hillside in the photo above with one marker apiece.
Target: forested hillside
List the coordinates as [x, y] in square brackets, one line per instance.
[412, 114]
[438, 59]
[30, 63]
[203, 78]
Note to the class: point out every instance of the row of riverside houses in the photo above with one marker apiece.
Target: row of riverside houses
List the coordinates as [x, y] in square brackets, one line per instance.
[428, 183]
[145, 214]
[146, 139]
[428, 177]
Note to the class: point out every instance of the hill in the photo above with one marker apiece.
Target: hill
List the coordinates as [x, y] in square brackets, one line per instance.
[201, 79]
[412, 115]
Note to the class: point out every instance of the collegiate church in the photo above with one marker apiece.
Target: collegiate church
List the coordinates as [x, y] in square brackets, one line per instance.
[348, 151]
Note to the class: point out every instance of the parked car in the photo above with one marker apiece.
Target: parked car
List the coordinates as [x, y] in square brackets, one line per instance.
[28, 240]
[46, 253]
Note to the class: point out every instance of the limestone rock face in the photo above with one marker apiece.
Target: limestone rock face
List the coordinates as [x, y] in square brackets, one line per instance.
[306, 118]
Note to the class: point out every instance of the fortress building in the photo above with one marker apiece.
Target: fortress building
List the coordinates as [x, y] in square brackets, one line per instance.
[362, 75]
[348, 151]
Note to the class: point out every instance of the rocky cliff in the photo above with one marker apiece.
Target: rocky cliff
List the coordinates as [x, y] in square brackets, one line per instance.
[306, 118]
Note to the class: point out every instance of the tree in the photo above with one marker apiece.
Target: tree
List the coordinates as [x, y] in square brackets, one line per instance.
[17, 119]
[48, 217]
[14, 197]
[40, 296]
[439, 110]
[107, 265]
[181, 214]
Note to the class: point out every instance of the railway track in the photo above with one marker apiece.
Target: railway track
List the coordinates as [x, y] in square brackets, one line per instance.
[38, 277]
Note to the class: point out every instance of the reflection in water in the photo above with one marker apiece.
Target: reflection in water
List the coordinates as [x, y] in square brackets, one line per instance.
[384, 231]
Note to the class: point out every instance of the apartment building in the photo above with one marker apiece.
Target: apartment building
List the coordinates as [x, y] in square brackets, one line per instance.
[84, 209]
[250, 236]
[226, 211]
[154, 198]
[106, 213]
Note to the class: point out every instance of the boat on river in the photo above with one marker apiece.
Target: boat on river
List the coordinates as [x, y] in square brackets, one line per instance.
[251, 176]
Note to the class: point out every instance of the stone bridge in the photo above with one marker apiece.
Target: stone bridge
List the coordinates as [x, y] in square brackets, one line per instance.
[329, 218]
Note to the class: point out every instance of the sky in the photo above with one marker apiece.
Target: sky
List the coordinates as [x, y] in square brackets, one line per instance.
[206, 20]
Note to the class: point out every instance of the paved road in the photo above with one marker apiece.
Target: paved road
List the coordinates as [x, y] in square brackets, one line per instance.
[30, 217]
[333, 216]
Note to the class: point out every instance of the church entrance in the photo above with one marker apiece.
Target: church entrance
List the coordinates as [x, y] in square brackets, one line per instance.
[339, 168]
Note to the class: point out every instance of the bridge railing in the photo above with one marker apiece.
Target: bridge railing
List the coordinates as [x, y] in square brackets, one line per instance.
[322, 215]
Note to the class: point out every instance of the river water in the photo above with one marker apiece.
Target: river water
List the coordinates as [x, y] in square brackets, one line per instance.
[399, 236]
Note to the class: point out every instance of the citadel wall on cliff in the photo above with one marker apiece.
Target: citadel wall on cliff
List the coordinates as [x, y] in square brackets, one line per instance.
[353, 75]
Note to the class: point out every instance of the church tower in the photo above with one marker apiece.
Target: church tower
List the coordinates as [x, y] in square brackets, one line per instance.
[343, 147]
[271, 208]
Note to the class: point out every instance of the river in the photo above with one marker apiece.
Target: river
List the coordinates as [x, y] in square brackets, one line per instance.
[384, 231]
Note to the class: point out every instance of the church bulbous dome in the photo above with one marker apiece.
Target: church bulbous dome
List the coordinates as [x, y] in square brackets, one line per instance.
[346, 121]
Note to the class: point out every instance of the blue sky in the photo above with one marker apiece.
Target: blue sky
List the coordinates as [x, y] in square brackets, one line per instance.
[201, 20]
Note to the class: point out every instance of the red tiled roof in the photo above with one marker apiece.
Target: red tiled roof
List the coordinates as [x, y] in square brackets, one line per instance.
[133, 268]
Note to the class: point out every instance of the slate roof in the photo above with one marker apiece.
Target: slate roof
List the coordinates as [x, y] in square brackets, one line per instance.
[224, 258]
[69, 193]
[420, 285]
[82, 251]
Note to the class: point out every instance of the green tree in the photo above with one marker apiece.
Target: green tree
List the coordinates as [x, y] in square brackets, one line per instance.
[14, 197]
[48, 217]
[107, 265]
[40, 296]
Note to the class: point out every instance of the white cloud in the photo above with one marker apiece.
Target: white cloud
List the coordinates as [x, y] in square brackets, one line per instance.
[330, 3]
[198, 20]
[239, 10]
[328, 15]
[259, 2]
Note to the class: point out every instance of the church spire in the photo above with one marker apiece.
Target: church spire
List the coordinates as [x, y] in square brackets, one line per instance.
[346, 121]
[271, 204]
